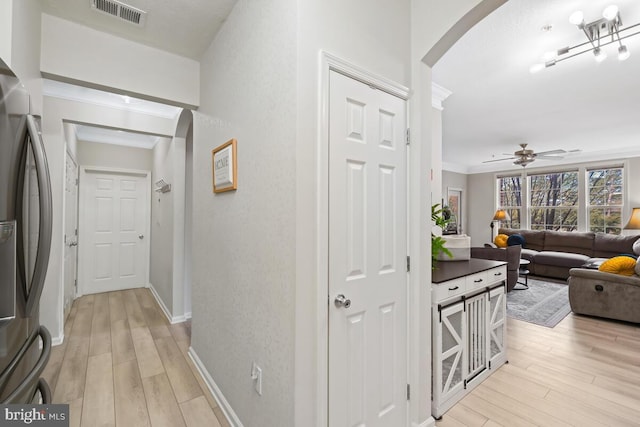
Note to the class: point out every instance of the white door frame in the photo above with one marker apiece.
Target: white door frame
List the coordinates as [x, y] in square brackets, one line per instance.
[69, 154]
[84, 170]
[328, 63]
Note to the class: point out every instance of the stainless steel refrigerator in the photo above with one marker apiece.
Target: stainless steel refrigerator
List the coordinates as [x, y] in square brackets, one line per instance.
[25, 242]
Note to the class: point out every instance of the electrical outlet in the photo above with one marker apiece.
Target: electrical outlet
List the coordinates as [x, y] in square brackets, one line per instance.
[256, 376]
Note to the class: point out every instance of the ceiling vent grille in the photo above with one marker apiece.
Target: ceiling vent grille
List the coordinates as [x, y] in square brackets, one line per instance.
[120, 10]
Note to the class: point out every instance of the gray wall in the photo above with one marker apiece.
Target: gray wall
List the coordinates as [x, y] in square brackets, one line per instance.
[244, 241]
[161, 263]
[457, 180]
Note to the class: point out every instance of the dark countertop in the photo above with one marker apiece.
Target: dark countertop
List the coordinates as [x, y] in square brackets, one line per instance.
[449, 270]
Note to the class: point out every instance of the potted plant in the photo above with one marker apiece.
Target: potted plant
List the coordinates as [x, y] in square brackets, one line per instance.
[440, 219]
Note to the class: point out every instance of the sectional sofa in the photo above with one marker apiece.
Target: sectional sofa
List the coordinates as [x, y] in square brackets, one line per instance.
[554, 253]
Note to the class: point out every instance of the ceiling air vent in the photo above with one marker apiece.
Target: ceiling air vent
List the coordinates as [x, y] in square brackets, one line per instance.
[120, 10]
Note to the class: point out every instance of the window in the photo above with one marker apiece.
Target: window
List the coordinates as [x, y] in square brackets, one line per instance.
[510, 199]
[605, 199]
[582, 199]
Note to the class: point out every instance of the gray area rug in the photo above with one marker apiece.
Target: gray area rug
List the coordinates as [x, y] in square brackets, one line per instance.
[545, 303]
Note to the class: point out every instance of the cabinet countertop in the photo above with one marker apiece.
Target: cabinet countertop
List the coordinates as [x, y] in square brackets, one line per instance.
[449, 270]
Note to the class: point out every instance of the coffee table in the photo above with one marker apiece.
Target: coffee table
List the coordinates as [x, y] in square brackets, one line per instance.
[523, 271]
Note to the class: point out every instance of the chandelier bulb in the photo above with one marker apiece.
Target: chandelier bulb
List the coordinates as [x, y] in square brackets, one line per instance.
[577, 18]
[535, 68]
[599, 54]
[623, 53]
[610, 12]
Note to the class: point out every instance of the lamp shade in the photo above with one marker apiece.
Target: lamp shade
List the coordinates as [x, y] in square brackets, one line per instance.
[502, 215]
[634, 221]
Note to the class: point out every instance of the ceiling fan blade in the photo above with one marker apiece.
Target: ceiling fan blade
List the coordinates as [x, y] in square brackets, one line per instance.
[499, 160]
[544, 153]
[545, 157]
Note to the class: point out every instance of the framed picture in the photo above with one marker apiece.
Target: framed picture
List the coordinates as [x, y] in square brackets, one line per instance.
[225, 167]
[454, 202]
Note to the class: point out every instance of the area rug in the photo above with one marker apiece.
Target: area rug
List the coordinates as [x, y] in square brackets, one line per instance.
[545, 303]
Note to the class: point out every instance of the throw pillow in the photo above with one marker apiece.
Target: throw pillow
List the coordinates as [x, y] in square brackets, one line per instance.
[622, 265]
[515, 239]
[636, 247]
[501, 240]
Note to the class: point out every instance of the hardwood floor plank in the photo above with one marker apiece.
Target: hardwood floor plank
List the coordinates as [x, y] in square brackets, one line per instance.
[197, 413]
[117, 309]
[121, 342]
[100, 326]
[71, 379]
[98, 407]
[464, 416]
[75, 413]
[149, 361]
[133, 309]
[181, 331]
[161, 403]
[182, 380]
[130, 403]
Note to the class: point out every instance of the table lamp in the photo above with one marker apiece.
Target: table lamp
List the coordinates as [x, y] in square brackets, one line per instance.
[634, 221]
[502, 215]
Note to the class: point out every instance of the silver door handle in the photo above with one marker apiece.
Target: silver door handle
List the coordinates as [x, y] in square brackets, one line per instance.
[342, 301]
[140, 236]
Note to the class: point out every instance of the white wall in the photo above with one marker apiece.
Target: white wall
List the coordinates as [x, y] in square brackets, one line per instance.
[161, 274]
[22, 46]
[114, 156]
[72, 52]
[244, 241]
[55, 113]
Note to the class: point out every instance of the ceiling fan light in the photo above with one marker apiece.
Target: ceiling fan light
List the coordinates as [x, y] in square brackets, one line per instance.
[610, 12]
[623, 53]
[599, 54]
[577, 18]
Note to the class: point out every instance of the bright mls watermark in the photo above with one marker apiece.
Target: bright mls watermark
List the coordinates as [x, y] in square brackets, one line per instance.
[34, 415]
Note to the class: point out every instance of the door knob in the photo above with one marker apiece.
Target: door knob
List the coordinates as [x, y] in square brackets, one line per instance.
[140, 236]
[342, 301]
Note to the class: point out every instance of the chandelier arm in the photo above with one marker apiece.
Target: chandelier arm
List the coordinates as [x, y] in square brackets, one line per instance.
[620, 38]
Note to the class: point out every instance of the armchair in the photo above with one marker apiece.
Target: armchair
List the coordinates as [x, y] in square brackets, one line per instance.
[510, 254]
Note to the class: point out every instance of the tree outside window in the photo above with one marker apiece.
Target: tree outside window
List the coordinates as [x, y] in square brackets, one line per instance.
[553, 204]
[510, 199]
[605, 201]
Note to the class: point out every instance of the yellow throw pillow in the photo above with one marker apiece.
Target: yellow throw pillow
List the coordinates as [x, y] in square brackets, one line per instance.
[501, 240]
[623, 265]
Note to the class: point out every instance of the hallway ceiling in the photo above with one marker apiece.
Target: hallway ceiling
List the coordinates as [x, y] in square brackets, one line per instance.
[183, 27]
[578, 104]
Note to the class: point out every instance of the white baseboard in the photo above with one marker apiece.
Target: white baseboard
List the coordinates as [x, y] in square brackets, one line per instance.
[57, 340]
[172, 319]
[227, 410]
[429, 422]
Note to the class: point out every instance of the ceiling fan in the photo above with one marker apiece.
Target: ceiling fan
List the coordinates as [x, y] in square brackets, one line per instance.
[525, 156]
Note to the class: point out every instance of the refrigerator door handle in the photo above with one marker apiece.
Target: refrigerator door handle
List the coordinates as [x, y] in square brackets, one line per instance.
[44, 237]
[33, 377]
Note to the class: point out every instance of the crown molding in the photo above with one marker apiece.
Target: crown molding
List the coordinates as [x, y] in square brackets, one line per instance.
[438, 95]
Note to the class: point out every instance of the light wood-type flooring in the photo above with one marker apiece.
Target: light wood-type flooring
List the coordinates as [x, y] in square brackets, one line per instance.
[122, 364]
[584, 372]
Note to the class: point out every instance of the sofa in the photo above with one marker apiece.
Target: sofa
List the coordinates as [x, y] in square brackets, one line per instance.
[555, 253]
[511, 256]
[608, 295]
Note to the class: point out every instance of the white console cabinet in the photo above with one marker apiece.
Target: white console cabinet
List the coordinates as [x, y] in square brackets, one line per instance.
[469, 327]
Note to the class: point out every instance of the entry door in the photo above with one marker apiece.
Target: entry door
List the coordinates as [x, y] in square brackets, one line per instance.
[367, 256]
[113, 244]
[70, 232]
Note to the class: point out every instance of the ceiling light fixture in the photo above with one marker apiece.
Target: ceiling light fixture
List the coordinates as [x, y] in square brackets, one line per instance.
[600, 33]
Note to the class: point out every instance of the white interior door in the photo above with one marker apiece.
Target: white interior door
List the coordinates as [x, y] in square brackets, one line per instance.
[367, 256]
[70, 232]
[114, 245]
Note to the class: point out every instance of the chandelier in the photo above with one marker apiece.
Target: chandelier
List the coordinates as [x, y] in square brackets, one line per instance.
[600, 33]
